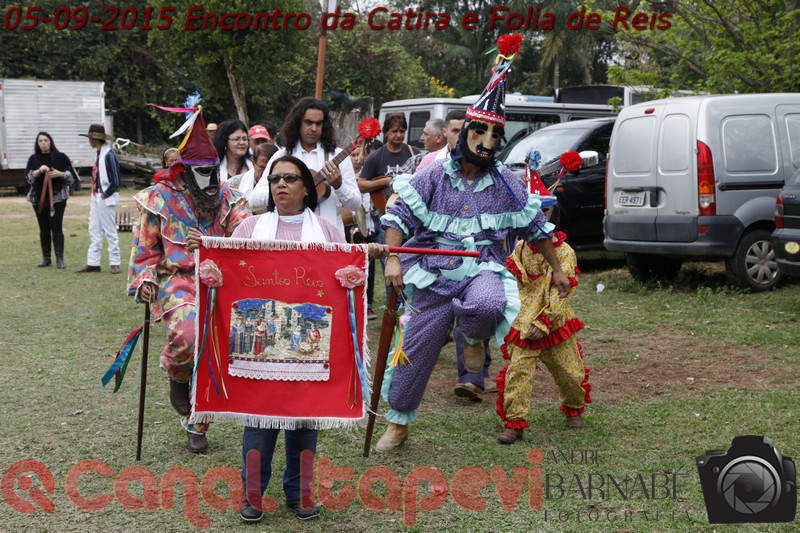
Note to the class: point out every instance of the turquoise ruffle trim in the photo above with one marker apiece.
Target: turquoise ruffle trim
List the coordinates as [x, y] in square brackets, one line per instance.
[462, 226]
[402, 418]
[396, 220]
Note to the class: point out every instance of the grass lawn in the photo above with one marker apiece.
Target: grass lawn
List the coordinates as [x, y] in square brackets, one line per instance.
[676, 370]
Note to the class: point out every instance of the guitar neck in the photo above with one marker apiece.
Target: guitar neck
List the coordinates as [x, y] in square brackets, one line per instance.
[341, 156]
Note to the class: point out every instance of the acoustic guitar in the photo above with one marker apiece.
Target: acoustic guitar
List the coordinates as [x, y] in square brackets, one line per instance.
[323, 187]
[380, 198]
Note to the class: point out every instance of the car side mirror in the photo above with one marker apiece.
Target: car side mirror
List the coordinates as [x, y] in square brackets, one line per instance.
[590, 158]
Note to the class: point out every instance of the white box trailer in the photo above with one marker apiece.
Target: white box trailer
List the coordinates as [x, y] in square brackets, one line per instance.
[64, 109]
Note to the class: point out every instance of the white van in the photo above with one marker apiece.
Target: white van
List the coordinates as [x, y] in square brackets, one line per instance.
[524, 114]
[696, 178]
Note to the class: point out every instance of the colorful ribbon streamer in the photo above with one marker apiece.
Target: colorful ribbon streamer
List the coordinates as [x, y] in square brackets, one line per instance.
[120, 364]
[399, 357]
[362, 374]
[211, 300]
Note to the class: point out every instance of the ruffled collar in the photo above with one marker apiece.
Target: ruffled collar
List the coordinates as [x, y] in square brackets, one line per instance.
[453, 167]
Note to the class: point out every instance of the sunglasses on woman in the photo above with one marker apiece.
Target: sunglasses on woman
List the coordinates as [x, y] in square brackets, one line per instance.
[273, 179]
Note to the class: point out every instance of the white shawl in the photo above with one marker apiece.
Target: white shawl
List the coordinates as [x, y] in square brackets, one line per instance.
[267, 227]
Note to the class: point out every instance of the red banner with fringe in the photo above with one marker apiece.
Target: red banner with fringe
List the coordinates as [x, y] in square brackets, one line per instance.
[280, 334]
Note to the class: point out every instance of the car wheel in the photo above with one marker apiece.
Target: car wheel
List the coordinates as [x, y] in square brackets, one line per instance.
[652, 267]
[753, 264]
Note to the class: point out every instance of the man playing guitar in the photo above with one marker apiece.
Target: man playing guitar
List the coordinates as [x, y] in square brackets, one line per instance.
[382, 164]
[308, 134]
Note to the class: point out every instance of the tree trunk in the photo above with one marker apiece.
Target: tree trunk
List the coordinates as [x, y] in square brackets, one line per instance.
[236, 90]
[556, 73]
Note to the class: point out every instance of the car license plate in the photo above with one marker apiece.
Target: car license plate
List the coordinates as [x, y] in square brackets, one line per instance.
[631, 199]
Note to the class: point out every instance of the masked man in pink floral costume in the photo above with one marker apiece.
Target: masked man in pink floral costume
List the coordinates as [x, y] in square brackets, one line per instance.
[468, 201]
[162, 269]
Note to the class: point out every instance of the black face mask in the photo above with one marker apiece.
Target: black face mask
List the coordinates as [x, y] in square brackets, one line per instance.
[203, 181]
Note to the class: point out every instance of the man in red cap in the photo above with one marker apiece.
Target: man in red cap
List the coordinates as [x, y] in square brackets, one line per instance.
[162, 269]
[258, 134]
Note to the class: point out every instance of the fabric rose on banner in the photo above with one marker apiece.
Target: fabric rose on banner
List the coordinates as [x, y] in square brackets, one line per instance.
[351, 276]
[210, 274]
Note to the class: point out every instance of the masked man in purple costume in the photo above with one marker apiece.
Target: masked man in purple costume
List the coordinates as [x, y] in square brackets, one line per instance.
[468, 201]
[162, 268]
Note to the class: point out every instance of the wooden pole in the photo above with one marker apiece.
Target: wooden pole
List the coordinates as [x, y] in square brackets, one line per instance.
[323, 41]
[387, 329]
[143, 384]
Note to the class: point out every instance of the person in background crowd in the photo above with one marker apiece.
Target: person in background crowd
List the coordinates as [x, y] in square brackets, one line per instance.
[211, 129]
[233, 149]
[170, 157]
[374, 230]
[103, 204]
[49, 175]
[258, 135]
[434, 137]
[248, 181]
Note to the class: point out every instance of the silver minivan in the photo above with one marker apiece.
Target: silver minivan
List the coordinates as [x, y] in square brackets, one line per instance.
[696, 178]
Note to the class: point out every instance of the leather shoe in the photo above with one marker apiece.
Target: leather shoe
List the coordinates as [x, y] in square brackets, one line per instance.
[509, 436]
[575, 421]
[87, 268]
[394, 436]
[179, 397]
[115, 269]
[489, 385]
[250, 513]
[45, 262]
[60, 263]
[197, 442]
[474, 357]
[303, 514]
[469, 391]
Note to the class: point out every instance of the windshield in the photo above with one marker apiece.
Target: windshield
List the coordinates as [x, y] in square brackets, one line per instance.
[551, 143]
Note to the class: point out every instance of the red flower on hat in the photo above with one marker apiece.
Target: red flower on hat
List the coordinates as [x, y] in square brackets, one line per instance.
[509, 44]
[369, 128]
[571, 160]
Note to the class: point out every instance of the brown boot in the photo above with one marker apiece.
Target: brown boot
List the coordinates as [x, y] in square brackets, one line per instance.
[395, 436]
[179, 397]
[197, 442]
[474, 356]
[510, 436]
[574, 421]
[469, 391]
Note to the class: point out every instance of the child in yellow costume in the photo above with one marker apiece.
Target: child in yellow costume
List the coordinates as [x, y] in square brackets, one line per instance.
[544, 330]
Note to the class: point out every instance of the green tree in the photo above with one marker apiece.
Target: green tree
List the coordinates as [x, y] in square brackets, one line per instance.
[264, 68]
[364, 62]
[719, 46]
[134, 71]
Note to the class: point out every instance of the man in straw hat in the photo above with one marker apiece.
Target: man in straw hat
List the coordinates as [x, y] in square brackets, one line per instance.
[162, 269]
[468, 201]
[103, 204]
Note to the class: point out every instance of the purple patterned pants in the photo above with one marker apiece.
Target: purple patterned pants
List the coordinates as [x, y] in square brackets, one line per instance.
[477, 302]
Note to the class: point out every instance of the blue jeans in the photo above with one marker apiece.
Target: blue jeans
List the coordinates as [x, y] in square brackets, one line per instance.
[296, 441]
[470, 377]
